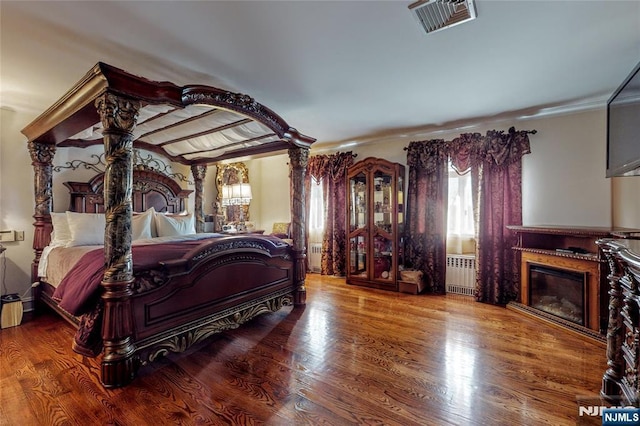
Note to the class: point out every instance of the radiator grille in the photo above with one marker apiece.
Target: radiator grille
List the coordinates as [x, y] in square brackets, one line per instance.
[315, 257]
[461, 274]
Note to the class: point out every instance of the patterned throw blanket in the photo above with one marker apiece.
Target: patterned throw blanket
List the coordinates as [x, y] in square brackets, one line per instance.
[78, 291]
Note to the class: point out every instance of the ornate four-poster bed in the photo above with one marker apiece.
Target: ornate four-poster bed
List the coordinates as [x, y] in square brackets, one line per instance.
[152, 298]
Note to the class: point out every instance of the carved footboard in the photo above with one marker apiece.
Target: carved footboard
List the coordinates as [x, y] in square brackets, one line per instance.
[216, 287]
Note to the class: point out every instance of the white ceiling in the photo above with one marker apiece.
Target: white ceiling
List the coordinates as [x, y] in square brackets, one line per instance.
[339, 71]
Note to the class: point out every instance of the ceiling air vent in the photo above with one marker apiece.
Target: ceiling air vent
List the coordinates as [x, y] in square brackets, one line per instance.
[436, 15]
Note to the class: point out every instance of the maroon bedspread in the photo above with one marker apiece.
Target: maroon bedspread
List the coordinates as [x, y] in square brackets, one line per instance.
[78, 290]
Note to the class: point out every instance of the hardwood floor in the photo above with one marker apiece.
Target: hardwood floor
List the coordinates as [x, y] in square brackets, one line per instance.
[351, 356]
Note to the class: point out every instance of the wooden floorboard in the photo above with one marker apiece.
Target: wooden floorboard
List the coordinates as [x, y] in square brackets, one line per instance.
[352, 355]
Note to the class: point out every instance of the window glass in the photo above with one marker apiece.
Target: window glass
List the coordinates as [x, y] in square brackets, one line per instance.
[460, 214]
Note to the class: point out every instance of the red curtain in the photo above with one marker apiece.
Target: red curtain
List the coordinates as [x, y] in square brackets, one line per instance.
[498, 166]
[495, 163]
[331, 172]
[464, 152]
[427, 211]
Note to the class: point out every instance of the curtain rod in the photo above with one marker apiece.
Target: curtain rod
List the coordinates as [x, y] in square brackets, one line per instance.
[513, 130]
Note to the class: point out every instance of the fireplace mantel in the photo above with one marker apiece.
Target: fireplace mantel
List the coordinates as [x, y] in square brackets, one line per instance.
[557, 239]
[571, 249]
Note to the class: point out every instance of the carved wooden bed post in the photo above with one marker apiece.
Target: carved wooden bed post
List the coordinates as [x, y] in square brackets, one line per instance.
[118, 116]
[199, 172]
[41, 159]
[299, 158]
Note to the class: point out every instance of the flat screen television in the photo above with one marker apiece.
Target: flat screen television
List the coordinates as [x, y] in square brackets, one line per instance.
[623, 128]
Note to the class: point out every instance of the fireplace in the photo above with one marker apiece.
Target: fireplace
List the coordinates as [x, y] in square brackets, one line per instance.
[558, 292]
[563, 278]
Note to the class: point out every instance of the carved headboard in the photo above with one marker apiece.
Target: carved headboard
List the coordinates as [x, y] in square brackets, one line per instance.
[150, 189]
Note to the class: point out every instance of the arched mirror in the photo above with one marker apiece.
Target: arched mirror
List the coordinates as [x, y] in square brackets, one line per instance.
[234, 192]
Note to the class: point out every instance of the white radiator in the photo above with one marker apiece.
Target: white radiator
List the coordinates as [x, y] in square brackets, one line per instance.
[461, 274]
[315, 256]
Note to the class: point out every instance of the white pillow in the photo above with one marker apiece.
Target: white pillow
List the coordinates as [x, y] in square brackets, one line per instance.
[141, 225]
[61, 234]
[154, 229]
[87, 229]
[169, 226]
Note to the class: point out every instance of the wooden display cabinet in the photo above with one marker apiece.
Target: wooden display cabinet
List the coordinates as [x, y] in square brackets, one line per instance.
[375, 219]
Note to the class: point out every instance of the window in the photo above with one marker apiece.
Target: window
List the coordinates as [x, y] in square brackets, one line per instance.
[316, 212]
[460, 224]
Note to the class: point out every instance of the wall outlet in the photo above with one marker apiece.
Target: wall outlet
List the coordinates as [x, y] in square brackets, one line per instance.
[19, 235]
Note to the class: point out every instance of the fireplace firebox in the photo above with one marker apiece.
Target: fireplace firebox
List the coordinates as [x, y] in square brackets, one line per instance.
[558, 292]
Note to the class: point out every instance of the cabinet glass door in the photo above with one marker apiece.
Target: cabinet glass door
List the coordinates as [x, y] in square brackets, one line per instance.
[358, 202]
[358, 217]
[358, 255]
[382, 201]
[400, 228]
[383, 211]
[400, 202]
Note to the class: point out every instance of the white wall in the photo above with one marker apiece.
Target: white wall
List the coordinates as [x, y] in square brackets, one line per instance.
[626, 202]
[17, 197]
[269, 178]
[66, 156]
[564, 176]
[563, 182]
[16, 202]
[564, 179]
